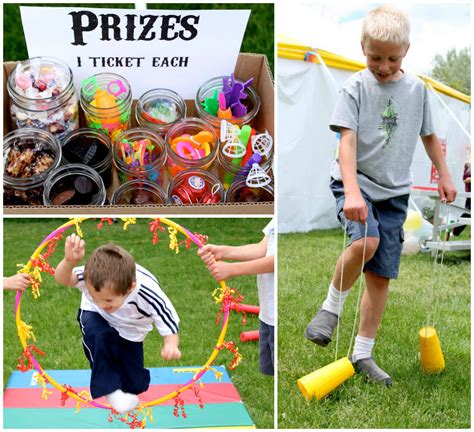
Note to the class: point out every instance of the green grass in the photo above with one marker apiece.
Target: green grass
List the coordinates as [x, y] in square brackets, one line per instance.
[258, 38]
[416, 400]
[183, 277]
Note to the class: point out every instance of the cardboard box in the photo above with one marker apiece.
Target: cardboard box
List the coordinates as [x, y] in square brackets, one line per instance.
[248, 65]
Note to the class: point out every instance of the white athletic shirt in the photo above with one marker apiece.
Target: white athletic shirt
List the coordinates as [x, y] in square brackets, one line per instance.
[266, 282]
[145, 305]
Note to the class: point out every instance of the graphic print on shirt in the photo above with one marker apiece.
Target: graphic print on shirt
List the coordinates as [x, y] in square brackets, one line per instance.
[388, 122]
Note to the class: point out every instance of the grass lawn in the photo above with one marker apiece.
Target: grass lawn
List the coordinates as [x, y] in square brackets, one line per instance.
[416, 400]
[258, 37]
[183, 277]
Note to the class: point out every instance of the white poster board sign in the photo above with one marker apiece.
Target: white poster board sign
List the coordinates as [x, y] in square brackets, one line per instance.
[174, 49]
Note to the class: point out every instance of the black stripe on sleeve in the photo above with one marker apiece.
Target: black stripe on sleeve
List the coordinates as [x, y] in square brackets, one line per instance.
[160, 307]
[140, 310]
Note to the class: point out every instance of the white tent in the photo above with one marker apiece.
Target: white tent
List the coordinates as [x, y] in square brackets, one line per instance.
[307, 92]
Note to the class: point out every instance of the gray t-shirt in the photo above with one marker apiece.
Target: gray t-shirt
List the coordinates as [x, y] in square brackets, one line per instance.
[388, 119]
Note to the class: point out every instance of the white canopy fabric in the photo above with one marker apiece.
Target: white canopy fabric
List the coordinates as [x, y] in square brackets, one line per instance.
[306, 98]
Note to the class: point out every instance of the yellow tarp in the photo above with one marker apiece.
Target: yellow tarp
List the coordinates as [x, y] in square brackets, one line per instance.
[294, 51]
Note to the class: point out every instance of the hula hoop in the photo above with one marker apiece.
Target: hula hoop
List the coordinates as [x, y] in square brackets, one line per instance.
[23, 337]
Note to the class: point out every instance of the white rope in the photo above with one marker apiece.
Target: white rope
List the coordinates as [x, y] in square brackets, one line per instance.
[441, 267]
[432, 305]
[359, 295]
[340, 290]
[449, 110]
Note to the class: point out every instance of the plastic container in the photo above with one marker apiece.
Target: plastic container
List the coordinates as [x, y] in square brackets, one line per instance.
[191, 143]
[29, 156]
[90, 147]
[106, 99]
[139, 192]
[140, 154]
[215, 85]
[240, 192]
[74, 184]
[159, 109]
[42, 95]
[234, 169]
[195, 187]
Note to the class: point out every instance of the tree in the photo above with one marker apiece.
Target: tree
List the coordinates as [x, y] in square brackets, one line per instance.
[454, 70]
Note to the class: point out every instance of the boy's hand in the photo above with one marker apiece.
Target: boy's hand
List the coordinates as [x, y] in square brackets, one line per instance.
[170, 350]
[355, 208]
[446, 189]
[74, 250]
[221, 270]
[18, 282]
[210, 253]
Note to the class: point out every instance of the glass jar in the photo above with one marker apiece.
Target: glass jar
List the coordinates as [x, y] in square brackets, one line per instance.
[210, 90]
[232, 168]
[159, 109]
[240, 192]
[139, 192]
[74, 184]
[191, 143]
[29, 156]
[140, 154]
[42, 95]
[106, 99]
[90, 147]
[195, 187]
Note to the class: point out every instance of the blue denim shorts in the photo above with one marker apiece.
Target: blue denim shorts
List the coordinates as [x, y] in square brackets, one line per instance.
[385, 221]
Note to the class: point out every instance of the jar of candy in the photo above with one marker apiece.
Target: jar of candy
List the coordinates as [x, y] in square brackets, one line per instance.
[139, 192]
[140, 154]
[74, 184]
[240, 192]
[106, 99]
[191, 143]
[227, 98]
[159, 109]
[90, 147]
[195, 187]
[29, 156]
[241, 150]
[42, 95]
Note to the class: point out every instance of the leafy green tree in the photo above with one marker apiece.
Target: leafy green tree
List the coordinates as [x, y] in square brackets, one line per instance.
[454, 69]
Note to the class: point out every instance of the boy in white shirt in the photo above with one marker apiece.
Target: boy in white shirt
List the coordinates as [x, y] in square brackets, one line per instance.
[120, 302]
[250, 259]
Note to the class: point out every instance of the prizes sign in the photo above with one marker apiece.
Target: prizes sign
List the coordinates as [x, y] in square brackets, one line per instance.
[173, 49]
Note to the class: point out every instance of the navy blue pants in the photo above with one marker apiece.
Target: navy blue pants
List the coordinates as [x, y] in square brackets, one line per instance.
[265, 358]
[116, 363]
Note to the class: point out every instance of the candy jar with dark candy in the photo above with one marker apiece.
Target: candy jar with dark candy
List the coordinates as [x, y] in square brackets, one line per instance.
[195, 187]
[29, 156]
[240, 192]
[139, 192]
[42, 95]
[90, 147]
[74, 184]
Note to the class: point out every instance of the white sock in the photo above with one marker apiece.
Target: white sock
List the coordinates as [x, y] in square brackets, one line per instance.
[332, 301]
[122, 402]
[362, 348]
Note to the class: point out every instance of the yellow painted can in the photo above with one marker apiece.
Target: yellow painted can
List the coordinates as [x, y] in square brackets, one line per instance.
[324, 380]
[431, 355]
